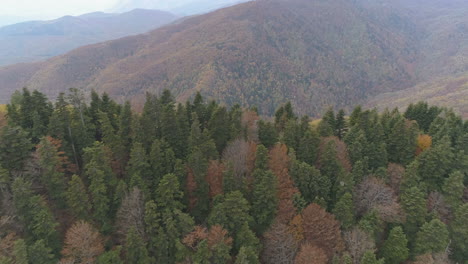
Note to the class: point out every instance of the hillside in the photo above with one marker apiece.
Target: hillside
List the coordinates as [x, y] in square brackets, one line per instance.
[39, 40]
[446, 92]
[263, 53]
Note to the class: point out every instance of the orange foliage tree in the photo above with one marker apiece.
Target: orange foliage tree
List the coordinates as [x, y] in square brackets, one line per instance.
[214, 177]
[83, 243]
[310, 254]
[278, 163]
[322, 230]
[424, 142]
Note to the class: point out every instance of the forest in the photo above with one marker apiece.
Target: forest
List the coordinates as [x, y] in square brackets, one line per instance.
[88, 180]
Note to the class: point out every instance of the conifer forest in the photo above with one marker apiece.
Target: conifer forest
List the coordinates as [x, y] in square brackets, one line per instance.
[85, 180]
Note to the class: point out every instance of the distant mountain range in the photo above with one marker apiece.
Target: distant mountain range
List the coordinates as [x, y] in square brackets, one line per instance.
[181, 7]
[38, 40]
[314, 53]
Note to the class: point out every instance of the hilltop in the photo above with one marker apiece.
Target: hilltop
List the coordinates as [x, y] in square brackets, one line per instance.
[313, 53]
[39, 40]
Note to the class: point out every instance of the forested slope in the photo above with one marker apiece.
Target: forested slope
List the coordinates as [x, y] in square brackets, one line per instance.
[200, 183]
[260, 53]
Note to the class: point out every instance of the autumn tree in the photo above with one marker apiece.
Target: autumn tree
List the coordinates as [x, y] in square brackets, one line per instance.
[310, 254]
[279, 244]
[358, 242]
[131, 213]
[83, 243]
[321, 228]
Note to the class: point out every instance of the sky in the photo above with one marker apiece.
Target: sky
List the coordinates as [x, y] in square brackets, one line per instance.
[13, 11]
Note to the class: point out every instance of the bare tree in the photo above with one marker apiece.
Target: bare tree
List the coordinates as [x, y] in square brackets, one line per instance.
[374, 194]
[83, 243]
[240, 155]
[279, 245]
[357, 243]
[437, 205]
[131, 214]
[395, 174]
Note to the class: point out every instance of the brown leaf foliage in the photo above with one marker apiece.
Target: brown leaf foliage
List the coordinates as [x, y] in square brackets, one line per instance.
[83, 243]
[7, 244]
[249, 122]
[311, 254]
[279, 163]
[217, 235]
[322, 229]
[437, 205]
[214, 177]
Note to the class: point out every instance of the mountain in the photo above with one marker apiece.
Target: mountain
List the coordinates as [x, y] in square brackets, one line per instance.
[183, 7]
[38, 40]
[449, 92]
[263, 53]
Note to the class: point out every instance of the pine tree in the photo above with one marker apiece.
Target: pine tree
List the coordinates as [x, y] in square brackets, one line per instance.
[370, 258]
[20, 251]
[310, 181]
[344, 210]
[267, 133]
[15, 148]
[77, 198]
[395, 249]
[247, 255]
[51, 164]
[264, 199]
[308, 146]
[245, 237]
[435, 163]
[230, 211]
[459, 233]
[111, 257]
[414, 204]
[136, 249]
[453, 189]
[39, 253]
[433, 237]
[340, 124]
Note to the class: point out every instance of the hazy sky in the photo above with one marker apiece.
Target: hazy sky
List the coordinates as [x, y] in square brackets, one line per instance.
[52, 8]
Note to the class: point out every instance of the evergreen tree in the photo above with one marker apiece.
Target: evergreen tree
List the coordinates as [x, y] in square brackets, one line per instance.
[15, 148]
[310, 181]
[20, 251]
[136, 249]
[370, 258]
[414, 204]
[247, 255]
[246, 238]
[435, 163]
[308, 146]
[340, 124]
[219, 127]
[39, 253]
[453, 189]
[264, 199]
[433, 237]
[77, 198]
[344, 210]
[459, 233]
[52, 175]
[267, 133]
[395, 249]
[111, 257]
[230, 211]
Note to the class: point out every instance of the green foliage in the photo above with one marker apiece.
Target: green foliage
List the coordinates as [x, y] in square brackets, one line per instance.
[370, 258]
[344, 210]
[77, 198]
[15, 147]
[136, 249]
[310, 181]
[433, 237]
[264, 199]
[20, 251]
[395, 249]
[111, 257]
[230, 211]
[247, 255]
[39, 253]
[267, 133]
[414, 204]
[459, 233]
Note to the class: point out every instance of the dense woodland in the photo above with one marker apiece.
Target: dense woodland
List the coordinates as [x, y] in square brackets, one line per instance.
[86, 180]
